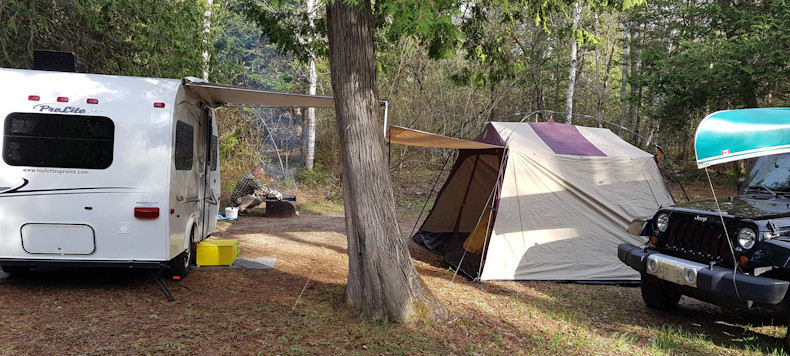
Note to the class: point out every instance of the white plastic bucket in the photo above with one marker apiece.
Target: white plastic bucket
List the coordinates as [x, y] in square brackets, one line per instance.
[232, 213]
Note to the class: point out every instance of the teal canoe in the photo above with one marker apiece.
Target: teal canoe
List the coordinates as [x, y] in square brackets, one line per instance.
[732, 135]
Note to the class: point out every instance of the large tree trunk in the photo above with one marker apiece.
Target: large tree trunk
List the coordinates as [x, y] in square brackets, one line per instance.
[577, 14]
[382, 280]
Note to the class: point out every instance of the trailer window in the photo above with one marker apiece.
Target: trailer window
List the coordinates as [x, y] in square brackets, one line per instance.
[58, 141]
[214, 150]
[185, 146]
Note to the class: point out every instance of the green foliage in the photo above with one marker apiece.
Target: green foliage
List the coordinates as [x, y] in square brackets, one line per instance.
[124, 37]
[318, 176]
[501, 46]
[239, 141]
[228, 143]
[243, 57]
[287, 25]
[431, 21]
[706, 56]
[501, 37]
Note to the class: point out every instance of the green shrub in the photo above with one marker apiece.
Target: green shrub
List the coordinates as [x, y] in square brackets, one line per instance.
[315, 177]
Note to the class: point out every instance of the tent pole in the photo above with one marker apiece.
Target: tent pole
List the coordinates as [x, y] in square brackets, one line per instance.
[492, 199]
[386, 110]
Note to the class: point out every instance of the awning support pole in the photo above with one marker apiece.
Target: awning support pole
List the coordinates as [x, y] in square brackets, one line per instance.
[386, 109]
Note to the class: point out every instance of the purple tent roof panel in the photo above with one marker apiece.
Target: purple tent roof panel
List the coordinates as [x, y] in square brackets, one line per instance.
[565, 139]
[490, 136]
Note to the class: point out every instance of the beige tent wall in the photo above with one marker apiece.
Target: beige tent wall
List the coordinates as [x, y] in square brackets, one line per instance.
[561, 217]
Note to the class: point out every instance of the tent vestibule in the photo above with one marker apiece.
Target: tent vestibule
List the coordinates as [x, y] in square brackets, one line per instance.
[553, 205]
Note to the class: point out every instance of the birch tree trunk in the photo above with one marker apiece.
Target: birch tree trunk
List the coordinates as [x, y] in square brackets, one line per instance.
[313, 79]
[577, 14]
[598, 93]
[636, 90]
[624, 83]
[382, 280]
[206, 33]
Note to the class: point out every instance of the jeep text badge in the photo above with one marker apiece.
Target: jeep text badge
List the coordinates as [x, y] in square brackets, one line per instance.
[701, 218]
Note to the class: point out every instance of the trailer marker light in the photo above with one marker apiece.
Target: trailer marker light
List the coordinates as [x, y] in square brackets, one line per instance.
[63, 99]
[176, 278]
[146, 213]
[93, 101]
[159, 105]
[33, 97]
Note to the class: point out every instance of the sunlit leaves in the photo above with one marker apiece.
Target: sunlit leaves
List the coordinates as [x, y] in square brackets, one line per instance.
[430, 21]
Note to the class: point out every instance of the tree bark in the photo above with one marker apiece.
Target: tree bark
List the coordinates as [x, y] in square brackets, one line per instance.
[382, 280]
[624, 82]
[313, 79]
[207, 33]
[606, 72]
[598, 93]
[577, 14]
[636, 89]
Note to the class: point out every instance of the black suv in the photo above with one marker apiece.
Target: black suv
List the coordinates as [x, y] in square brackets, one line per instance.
[737, 258]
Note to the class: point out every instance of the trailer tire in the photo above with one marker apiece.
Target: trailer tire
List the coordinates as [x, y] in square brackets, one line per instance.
[179, 266]
[193, 253]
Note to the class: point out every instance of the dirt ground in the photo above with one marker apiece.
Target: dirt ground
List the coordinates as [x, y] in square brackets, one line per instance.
[298, 308]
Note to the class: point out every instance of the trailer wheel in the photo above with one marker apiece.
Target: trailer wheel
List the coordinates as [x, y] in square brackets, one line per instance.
[179, 266]
[657, 296]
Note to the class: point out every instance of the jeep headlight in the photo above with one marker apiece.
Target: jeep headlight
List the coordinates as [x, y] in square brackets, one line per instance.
[662, 222]
[746, 238]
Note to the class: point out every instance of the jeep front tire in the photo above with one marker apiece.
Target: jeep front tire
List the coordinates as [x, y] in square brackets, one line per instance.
[657, 296]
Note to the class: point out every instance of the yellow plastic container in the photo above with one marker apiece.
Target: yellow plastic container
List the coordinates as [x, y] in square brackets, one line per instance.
[217, 252]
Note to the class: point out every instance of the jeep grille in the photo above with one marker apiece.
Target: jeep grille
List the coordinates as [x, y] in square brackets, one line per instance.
[704, 241]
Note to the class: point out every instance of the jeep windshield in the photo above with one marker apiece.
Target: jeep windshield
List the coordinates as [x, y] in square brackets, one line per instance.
[770, 175]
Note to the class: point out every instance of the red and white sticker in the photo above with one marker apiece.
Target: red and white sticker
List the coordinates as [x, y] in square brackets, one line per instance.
[725, 152]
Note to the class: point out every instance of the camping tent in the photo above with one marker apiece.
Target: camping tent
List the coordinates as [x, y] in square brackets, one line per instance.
[541, 201]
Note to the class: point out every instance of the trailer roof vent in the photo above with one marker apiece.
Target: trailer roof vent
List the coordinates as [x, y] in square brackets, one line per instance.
[57, 61]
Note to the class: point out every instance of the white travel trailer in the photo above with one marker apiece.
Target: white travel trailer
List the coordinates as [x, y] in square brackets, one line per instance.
[101, 170]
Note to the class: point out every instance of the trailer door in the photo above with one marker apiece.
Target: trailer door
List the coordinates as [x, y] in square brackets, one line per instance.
[211, 182]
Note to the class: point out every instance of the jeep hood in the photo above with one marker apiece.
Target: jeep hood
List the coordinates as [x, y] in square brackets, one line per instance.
[740, 206]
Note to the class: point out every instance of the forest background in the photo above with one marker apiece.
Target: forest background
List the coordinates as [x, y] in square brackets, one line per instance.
[649, 72]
